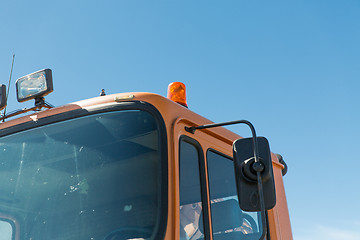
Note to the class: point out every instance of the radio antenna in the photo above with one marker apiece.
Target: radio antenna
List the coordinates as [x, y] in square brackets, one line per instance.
[7, 94]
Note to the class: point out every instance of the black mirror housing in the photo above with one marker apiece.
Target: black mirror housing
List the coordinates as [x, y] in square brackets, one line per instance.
[246, 176]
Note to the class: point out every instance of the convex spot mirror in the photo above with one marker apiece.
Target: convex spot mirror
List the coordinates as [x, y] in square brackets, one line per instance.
[246, 176]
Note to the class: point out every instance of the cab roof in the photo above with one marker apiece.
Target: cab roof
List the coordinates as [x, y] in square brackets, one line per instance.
[167, 108]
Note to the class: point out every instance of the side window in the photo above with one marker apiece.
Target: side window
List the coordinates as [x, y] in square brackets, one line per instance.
[191, 213]
[228, 220]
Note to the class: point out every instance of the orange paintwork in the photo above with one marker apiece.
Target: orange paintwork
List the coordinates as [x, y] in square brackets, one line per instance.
[176, 117]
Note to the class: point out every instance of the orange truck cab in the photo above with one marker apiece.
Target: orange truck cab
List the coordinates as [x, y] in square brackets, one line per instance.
[133, 166]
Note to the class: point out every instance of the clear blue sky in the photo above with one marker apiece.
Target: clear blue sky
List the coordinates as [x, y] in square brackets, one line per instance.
[290, 67]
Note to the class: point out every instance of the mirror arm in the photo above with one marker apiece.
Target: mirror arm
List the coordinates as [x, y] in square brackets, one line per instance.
[256, 152]
[258, 166]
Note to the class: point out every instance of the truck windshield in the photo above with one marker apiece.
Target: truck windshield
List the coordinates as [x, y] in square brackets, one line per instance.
[94, 177]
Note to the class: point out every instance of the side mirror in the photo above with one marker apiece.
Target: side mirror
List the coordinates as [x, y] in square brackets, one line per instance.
[2, 96]
[246, 175]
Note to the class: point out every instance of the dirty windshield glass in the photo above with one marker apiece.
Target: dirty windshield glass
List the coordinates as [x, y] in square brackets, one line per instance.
[95, 177]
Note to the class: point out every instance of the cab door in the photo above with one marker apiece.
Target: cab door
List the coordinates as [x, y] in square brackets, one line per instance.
[208, 204]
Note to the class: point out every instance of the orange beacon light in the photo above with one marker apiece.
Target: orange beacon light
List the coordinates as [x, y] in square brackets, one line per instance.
[177, 93]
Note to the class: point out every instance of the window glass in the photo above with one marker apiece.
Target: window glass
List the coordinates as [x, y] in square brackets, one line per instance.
[6, 230]
[95, 177]
[228, 220]
[190, 193]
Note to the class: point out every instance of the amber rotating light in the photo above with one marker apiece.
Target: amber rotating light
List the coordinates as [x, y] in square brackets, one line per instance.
[177, 93]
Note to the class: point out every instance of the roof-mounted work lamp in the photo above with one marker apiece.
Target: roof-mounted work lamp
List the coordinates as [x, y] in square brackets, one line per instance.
[34, 86]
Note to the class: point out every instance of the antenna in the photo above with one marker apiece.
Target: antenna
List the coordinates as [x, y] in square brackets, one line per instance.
[7, 94]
